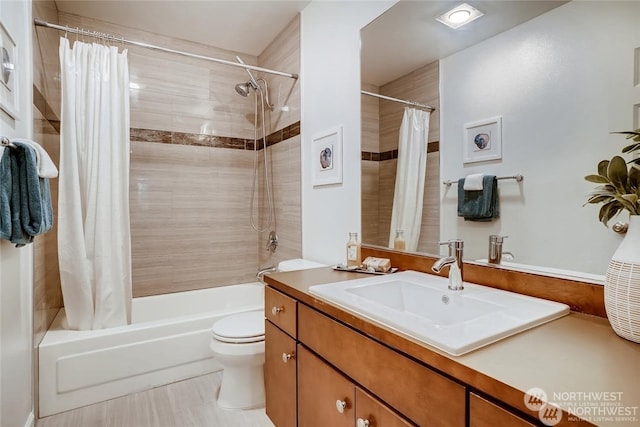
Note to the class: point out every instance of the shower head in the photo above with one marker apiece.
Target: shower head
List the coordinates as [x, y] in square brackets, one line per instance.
[245, 88]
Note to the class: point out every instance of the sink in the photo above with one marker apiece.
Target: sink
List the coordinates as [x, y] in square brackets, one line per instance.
[421, 306]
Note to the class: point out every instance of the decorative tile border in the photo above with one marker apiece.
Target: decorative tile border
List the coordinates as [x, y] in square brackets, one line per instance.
[201, 140]
[432, 147]
[169, 137]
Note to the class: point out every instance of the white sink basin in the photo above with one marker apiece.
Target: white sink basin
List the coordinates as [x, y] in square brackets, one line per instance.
[421, 306]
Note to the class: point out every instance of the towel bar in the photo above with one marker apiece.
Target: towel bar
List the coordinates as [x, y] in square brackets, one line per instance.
[517, 177]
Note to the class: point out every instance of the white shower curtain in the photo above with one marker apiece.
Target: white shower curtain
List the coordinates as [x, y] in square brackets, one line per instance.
[410, 176]
[94, 243]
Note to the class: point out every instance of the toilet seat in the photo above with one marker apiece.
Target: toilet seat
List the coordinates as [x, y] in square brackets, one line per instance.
[240, 328]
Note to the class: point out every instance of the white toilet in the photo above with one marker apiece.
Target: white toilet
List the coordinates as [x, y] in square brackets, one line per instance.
[237, 342]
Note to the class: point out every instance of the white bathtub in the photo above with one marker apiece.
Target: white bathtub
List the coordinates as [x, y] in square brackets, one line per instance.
[167, 341]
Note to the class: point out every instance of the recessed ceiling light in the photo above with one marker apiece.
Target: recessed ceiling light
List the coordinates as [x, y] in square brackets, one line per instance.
[460, 15]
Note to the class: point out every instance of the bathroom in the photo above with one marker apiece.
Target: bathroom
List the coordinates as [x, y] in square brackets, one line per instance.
[329, 66]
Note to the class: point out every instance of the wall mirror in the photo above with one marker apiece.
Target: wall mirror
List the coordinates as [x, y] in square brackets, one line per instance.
[561, 76]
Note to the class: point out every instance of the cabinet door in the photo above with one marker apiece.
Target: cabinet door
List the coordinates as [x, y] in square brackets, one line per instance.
[325, 397]
[280, 376]
[485, 414]
[281, 310]
[372, 413]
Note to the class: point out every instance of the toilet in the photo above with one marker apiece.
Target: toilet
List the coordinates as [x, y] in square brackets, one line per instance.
[237, 342]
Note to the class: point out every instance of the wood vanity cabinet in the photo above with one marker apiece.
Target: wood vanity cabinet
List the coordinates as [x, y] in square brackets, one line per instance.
[280, 358]
[483, 413]
[328, 398]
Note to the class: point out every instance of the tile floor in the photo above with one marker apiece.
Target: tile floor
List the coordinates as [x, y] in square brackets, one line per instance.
[189, 403]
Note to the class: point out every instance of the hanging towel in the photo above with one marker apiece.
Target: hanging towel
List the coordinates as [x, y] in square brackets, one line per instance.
[6, 189]
[481, 205]
[30, 198]
[46, 167]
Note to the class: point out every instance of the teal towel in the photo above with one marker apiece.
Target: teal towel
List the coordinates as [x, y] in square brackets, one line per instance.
[6, 189]
[29, 201]
[481, 205]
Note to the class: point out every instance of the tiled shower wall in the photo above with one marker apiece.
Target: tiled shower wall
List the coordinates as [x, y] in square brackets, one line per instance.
[380, 129]
[191, 161]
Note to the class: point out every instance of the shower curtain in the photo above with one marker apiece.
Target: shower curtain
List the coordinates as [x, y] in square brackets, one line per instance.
[410, 176]
[94, 243]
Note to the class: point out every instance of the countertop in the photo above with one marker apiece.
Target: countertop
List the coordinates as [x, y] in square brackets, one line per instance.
[577, 360]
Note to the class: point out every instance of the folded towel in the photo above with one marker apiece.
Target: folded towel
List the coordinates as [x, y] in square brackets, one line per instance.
[473, 182]
[29, 202]
[46, 167]
[6, 189]
[479, 205]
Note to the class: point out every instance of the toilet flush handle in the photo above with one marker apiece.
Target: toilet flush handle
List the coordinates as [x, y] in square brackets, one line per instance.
[275, 310]
[288, 356]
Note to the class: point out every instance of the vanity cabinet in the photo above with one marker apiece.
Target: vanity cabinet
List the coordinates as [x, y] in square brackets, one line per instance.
[328, 398]
[417, 392]
[280, 377]
[483, 413]
[320, 372]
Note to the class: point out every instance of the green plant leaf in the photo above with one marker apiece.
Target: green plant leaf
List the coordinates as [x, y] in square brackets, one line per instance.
[630, 148]
[628, 202]
[617, 173]
[602, 167]
[608, 211]
[634, 178]
[598, 199]
[598, 179]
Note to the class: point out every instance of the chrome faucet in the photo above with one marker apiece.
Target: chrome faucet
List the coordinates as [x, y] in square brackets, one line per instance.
[495, 249]
[264, 271]
[454, 260]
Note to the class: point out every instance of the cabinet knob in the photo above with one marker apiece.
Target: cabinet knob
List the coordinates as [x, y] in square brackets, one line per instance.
[362, 423]
[288, 356]
[276, 310]
[341, 405]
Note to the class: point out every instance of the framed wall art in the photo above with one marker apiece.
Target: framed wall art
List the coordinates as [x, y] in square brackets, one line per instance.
[8, 74]
[482, 140]
[326, 157]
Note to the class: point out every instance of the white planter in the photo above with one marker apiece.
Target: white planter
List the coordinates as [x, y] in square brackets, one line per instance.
[622, 285]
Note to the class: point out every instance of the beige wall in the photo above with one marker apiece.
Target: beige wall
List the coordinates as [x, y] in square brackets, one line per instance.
[378, 177]
[189, 191]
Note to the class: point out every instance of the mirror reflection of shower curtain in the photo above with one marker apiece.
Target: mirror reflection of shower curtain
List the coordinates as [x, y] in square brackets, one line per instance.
[94, 240]
[410, 176]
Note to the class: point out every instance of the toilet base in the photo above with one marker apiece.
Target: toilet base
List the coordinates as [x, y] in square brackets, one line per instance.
[242, 388]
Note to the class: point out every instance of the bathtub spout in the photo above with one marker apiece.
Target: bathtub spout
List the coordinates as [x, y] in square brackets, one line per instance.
[264, 271]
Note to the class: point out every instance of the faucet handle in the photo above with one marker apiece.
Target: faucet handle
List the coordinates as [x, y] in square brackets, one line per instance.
[454, 245]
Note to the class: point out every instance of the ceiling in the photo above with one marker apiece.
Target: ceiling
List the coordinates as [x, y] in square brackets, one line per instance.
[407, 36]
[242, 26]
[404, 38]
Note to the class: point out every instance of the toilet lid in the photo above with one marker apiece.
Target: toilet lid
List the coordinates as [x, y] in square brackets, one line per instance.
[240, 328]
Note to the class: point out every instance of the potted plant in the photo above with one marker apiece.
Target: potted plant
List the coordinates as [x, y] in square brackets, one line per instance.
[618, 190]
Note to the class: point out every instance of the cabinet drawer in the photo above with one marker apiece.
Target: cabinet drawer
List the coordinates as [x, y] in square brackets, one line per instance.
[486, 414]
[280, 376]
[422, 395]
[320, 389]
[376, 413]
[280, 310]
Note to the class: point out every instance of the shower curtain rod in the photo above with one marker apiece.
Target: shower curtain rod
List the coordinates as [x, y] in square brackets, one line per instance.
[105, 36]
[402, 101]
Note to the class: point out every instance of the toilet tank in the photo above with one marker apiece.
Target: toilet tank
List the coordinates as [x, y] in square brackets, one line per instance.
[298, 264]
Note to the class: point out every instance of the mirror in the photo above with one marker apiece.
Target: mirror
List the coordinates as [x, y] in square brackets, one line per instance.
[561, 76]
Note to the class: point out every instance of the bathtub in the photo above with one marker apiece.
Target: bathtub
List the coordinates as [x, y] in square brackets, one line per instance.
[167, 341]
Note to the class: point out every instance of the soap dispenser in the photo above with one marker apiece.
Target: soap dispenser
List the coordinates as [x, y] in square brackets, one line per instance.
[354, 257]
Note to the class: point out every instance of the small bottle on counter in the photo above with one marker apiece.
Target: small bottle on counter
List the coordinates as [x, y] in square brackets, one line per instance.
[354, 257]
[399, 242]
